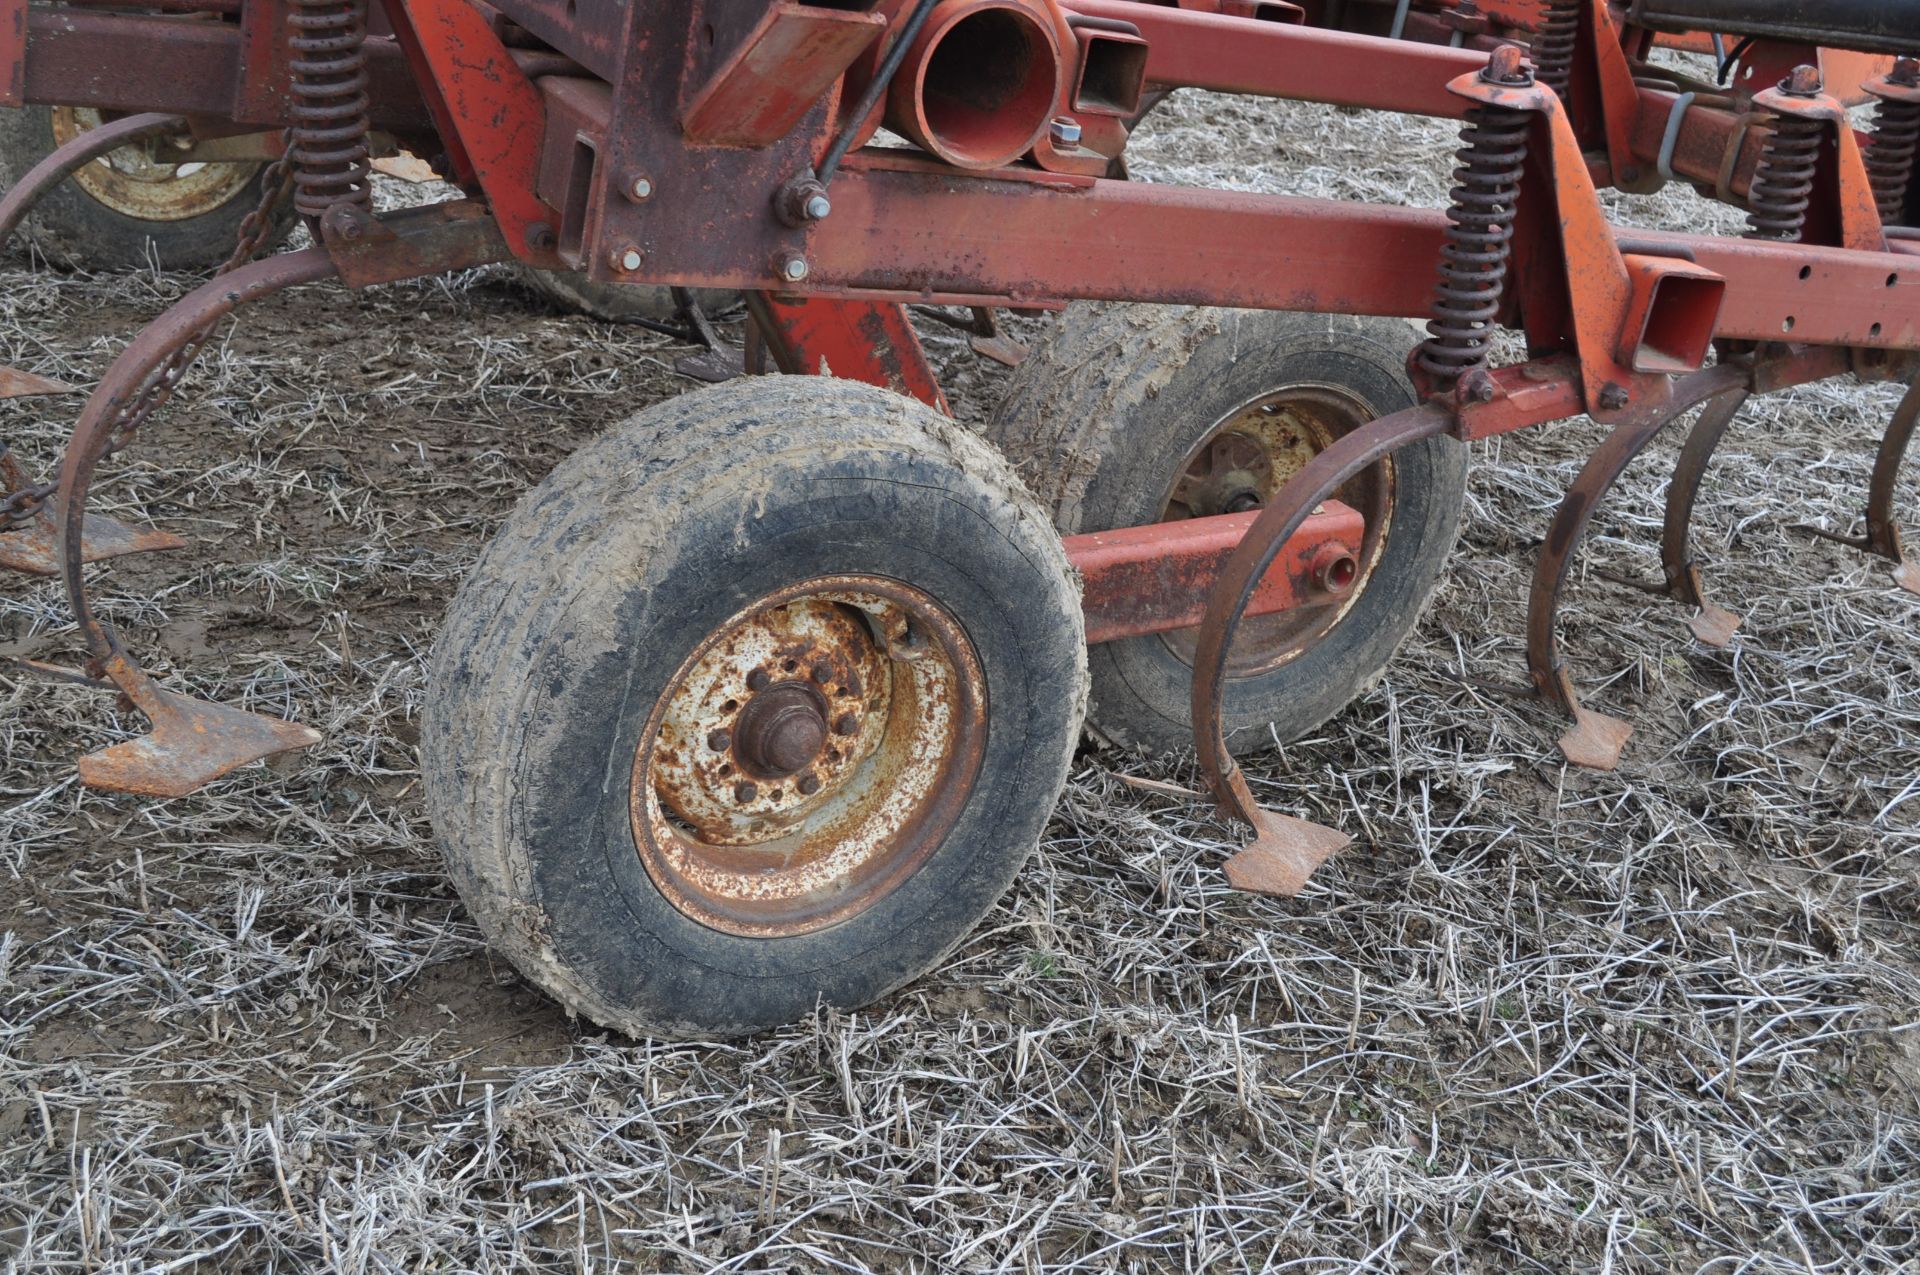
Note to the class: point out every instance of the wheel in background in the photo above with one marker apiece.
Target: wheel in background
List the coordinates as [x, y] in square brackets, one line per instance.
[1133, 414]
[759, 701]
[137, 200]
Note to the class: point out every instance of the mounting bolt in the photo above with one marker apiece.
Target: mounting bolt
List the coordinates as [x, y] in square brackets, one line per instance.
[719, 741]
[759, 680]
[540, 237]
[1804, 82]
[802, 201]
[1507, 67]
[1476, 387]
[639, 188]
[1065, 131]
[628, 259]
[1906, 72]
[823, 672]
[744, 791]
[794, 268]
[808, 784]
[846, 724]
[1613, 397]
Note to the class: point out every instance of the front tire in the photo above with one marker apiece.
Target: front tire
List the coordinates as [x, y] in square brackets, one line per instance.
[758, 702]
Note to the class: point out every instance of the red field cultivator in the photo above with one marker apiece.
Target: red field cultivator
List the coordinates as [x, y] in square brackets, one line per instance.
[763, 697]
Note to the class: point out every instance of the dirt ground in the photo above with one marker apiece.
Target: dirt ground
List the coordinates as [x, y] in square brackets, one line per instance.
[1533, 1020]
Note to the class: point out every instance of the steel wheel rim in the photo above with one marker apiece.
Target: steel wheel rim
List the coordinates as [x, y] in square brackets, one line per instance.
[854, 709]
[136, 180]
[1286, 428]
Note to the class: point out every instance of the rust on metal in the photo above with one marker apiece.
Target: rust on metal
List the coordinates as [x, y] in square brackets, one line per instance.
[192, 742]
[1155, 579]
[808, 756]
[15, 383]
[1713, 625]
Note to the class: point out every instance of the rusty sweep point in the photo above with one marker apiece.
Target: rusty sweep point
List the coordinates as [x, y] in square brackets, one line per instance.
[192, 742]
[1508, 66]
[1284, 853]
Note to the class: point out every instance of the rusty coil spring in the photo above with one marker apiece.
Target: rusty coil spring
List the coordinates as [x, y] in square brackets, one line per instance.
[329, 147]
[1473, 262]
[1783, 182]
[1896, 134]
[1552, 48]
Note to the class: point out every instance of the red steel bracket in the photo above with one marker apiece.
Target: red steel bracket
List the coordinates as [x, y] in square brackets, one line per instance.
[865, 341]
[1157, 578]
[489, 111]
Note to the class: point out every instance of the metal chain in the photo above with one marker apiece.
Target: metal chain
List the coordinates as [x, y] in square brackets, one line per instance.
[23, 501]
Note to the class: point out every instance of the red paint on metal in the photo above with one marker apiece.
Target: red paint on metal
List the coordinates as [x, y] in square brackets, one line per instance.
[786, 64]
[490, 109]
[856, 340]
[13, 52]
[1156, 579]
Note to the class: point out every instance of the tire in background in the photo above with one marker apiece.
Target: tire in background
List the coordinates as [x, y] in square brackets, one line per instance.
[103, 219]
[1105, 417]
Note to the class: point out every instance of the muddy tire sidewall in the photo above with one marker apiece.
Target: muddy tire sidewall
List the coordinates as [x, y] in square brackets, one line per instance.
[576, 690]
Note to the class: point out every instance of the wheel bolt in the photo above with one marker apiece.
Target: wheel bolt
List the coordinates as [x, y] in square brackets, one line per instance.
[808, 784]
[758, 680]
[719, 740]
[745, 791]
[846, 724]
[822, 674]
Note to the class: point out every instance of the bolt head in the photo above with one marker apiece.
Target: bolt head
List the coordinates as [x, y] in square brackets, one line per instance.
[1804, 82]
[628, 259]
[719, 741]
[1065, 131]
[823, 673]
[846, 724]
[744, 791]
[759, 680]
[794, 269]
[1613, 397]
[808, 784]
[1507, 66]
[818, 206]
[640, 189]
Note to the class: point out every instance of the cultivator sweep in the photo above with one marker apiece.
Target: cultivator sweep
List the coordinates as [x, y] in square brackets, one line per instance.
[805, 714]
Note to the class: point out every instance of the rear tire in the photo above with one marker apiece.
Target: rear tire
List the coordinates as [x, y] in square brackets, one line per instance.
[581, 798]
[1107, 419]
[101, 219]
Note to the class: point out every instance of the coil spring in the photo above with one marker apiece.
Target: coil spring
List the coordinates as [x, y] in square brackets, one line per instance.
[328, 141]
[1473, 262]
[1552, 48]
[1896, 134]
[1783, 183]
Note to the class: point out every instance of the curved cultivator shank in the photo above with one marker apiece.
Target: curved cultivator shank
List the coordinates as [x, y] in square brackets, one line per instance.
[731, 145]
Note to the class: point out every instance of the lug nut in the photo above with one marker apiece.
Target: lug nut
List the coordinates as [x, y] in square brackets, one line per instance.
[744, 792]
[808, 784]
[1064, 130]
[758, 680]
[846, 724]
[818, 206]
[822, 673]
[719, 741]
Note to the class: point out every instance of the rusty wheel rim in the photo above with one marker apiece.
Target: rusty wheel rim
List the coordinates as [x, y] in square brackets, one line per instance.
[1238, 465]
[140, 181]
[808, 756]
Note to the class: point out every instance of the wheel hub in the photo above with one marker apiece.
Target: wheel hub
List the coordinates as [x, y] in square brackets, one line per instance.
[808, 755]
[782, 730]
